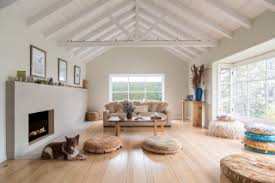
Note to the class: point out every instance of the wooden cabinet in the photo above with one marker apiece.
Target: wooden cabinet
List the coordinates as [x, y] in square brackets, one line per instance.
[198, 112]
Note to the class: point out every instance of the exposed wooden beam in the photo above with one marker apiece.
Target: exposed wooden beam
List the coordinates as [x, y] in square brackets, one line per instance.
[47, 11]
[86, 25]
[174, 19]
[231, 13]
[75, 17]
[6, 3]
[150, 43]
[195, 16]
[121, 27]
[269, 4]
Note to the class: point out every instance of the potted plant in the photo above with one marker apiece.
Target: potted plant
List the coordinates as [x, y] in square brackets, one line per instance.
[197, 72]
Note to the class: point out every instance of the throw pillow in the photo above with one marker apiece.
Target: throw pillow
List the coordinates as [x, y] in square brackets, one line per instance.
[162, 107]
[141, 109]
[111, 107]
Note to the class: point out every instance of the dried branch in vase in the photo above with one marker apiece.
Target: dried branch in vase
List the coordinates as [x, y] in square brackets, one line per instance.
[197, 75]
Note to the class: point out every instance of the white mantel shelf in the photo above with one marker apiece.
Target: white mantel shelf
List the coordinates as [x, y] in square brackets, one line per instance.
[69, 105]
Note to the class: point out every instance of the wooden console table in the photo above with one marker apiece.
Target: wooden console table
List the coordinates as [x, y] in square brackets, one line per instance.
[198, 114]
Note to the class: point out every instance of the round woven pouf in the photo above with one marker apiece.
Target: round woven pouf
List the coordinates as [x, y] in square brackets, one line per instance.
[231, 130]
[247, 168]
[161, 145]
[102, 144]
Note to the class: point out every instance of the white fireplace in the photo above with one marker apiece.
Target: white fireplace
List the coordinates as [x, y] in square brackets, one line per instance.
[63, 108]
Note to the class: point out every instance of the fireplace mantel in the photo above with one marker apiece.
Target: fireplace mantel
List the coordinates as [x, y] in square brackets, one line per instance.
[69, 105]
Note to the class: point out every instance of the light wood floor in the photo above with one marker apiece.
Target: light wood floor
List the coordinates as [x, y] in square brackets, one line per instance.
[197, 162]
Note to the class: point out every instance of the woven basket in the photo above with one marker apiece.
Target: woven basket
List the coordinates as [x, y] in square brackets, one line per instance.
[102, 144]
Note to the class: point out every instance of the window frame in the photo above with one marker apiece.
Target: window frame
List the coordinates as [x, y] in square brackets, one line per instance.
[110, 96]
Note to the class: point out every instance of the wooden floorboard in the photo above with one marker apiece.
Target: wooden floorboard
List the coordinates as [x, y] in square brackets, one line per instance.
[197, 162]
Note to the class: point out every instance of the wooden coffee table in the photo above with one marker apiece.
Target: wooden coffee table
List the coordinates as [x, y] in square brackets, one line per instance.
[118, 122]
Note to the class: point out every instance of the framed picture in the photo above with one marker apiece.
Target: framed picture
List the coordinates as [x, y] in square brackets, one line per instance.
[38, 62]
[77, 75]
[62, 70]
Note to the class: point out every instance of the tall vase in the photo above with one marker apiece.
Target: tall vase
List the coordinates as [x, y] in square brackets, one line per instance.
[198, 94]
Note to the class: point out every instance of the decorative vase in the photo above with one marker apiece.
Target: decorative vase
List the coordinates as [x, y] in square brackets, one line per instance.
[129, 115]
[198, 94]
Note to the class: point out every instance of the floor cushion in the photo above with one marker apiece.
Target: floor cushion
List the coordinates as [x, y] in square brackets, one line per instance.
[244, 168]
[161, 145]
[263, 138]
[265, 146]
[259, 128]
[102, 144]
[231, 130]
[257, 150]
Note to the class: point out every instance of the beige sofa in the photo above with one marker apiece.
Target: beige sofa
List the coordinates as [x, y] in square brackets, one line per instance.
[118, 108]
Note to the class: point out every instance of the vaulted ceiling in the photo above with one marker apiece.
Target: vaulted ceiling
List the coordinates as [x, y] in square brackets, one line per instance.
[185, 28]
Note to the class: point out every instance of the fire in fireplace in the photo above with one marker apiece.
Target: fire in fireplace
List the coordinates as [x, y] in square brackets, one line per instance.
[40, 124]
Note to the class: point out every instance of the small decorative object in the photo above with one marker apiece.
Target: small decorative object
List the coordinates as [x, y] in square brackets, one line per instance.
[129, 109]
[50, 81]
[196, 80]
[62, 70]
[85, 84]
[38, 62]
[155, 116]
[21, 75]
[92, 116]
[77, 75]
[189, 97]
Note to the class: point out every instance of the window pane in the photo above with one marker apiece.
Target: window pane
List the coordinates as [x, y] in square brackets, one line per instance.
[257, 90]
[271, 90]
[225, 91]
[154, 86]
[241, 73]
[271, 68]
[257, 108]
[257, 71]
[240, 89]
[119, 86]
[271, 111]
[136, 86]
[154, 96]
[224, 107]
[137, 96]
[240, 107]
[119, 96]
[224, 75]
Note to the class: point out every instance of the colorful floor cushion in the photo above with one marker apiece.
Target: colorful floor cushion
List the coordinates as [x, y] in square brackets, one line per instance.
[161, 145]
[102, 144]
[247, 168]
[265, 146]
[263, 138]
[259, 128]
[257, 150]
[231, 130]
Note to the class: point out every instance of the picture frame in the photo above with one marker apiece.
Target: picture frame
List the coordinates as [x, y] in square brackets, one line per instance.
[77, 74]
[62, 70]
[38, 62]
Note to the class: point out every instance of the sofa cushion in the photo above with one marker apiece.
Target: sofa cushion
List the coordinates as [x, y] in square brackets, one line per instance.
[120, 108]
[162, 107]
[141, 108]
[153, 106]
[111, 107]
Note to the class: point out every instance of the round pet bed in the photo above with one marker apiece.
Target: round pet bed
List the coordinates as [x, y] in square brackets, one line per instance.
[263, 138]
[261, 129]
[161, 145]
[102, 144]
[248, 168]
[231, 130]
[264, 146]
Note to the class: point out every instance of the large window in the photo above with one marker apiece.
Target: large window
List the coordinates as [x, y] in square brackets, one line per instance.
[136, 87]
[248, 90]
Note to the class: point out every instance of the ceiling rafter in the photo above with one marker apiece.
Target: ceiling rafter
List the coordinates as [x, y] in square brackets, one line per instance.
[97, 19]
[231, 13]
[121, 27]
[147, 43]
[174, 19]
[6, 3]
[201, 19]
[47, 11]
[75, 17]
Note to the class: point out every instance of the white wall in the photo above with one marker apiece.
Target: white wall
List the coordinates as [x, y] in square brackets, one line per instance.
[15, 40]
[138, 60]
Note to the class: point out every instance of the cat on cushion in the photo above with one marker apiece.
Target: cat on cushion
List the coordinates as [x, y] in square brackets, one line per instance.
[63, 150]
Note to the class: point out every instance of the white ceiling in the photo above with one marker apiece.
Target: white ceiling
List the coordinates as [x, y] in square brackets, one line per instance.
[111, 22]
